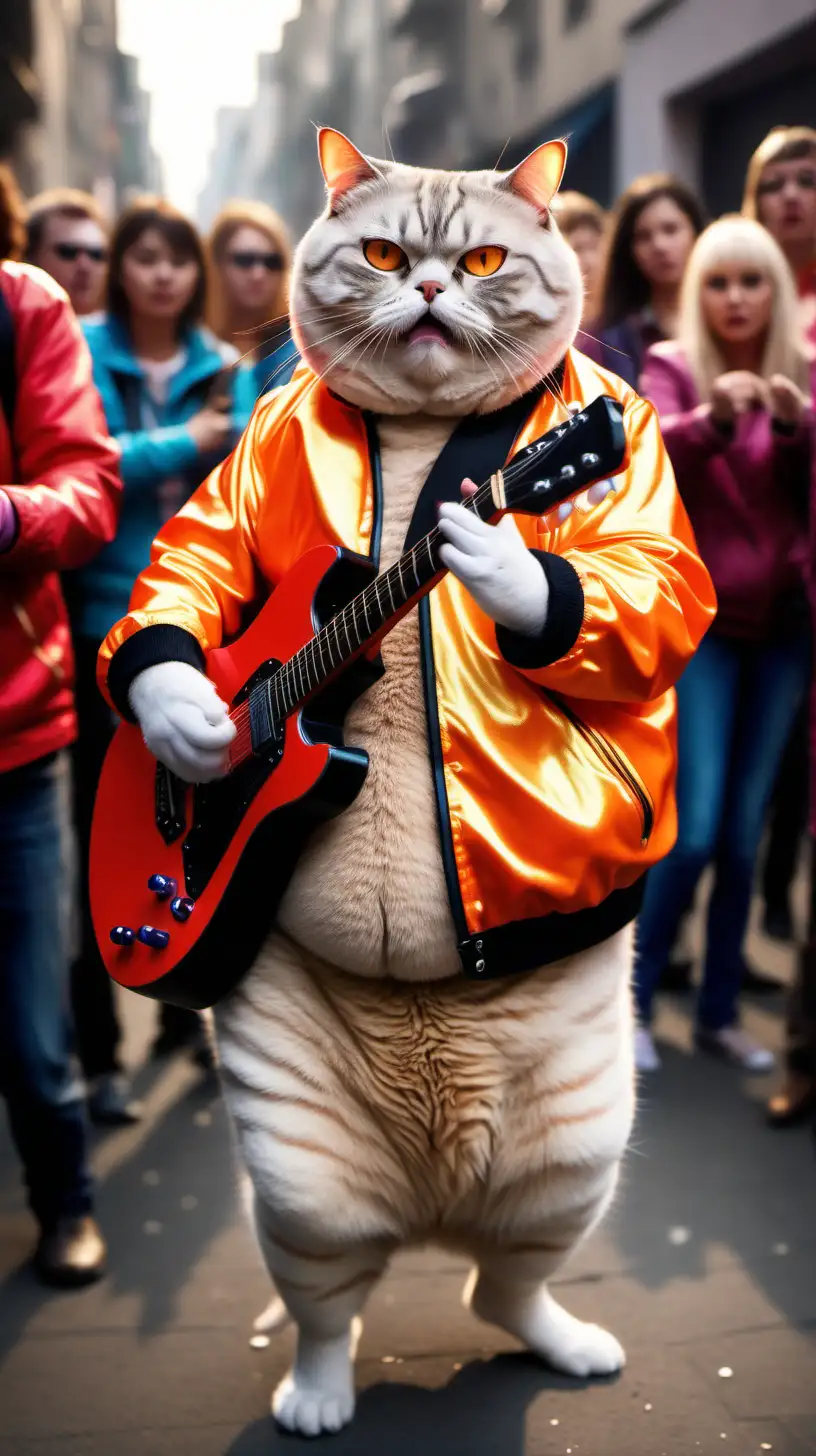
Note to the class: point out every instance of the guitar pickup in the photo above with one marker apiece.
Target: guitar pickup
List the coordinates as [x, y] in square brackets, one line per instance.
[265, 730]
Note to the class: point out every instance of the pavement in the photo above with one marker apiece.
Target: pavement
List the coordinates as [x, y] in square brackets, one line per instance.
[706, 1270]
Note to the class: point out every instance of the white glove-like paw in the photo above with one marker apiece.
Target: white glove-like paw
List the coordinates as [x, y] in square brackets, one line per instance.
[184, 722]
[502, 576]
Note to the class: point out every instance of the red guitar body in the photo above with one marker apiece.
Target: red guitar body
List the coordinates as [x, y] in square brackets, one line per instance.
[261, 815]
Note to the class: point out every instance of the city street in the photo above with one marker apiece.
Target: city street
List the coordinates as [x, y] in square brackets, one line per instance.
[705, 1271]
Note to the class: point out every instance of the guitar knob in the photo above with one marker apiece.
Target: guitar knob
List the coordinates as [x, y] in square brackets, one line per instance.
[567, 472]
[122, 935]
[156, 939]
[163, 886]
[589, 461]
[182, 908]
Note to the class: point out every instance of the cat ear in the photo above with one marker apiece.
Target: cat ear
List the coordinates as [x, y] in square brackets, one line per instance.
[343, 167]
[538, 177]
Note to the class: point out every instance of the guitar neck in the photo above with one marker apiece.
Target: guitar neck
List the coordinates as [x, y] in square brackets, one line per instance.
[371, 615]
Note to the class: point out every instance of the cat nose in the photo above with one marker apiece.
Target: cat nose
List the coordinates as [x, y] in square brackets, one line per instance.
[429, 290]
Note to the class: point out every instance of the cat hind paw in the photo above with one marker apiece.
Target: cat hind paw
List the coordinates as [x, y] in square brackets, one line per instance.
[585, 1349]
[309, 1412]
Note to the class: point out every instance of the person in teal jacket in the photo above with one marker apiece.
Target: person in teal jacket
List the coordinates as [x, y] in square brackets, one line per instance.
[176, 401]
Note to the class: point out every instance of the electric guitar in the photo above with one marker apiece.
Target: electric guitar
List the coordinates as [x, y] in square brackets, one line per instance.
[185, 880]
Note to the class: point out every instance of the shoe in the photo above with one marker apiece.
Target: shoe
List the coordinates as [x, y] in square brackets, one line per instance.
[110, 1103]
[71, 1254]
[758, 982]
[647, 1058]
[736, 1046]
[777, 922]
[794, 1103]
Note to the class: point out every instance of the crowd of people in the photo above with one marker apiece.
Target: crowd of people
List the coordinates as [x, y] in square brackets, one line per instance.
[129, 365]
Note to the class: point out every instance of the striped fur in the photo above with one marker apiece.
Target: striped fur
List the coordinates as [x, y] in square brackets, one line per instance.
[378, 1099]
[509, 329]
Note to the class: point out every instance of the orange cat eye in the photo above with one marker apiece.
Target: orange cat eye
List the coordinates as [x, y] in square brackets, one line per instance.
[384, 255]
[481, 262]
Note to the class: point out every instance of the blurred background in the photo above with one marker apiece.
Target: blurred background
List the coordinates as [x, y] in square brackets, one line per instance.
[210, 102]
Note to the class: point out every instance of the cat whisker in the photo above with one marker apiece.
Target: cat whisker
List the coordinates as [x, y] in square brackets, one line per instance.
[476, 349]
[348, 348]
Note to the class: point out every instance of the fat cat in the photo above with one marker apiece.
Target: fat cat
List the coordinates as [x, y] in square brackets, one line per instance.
[373, 1106]
[381, 1099]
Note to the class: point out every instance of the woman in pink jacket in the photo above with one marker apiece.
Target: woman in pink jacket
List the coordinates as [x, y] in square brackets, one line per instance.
[731, 393]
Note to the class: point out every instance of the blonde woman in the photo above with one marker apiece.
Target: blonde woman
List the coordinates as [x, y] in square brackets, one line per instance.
[780, 192]
[250, 261]
[730, 392]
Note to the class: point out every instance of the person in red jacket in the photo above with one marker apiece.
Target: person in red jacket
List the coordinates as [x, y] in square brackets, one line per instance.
[59, 501]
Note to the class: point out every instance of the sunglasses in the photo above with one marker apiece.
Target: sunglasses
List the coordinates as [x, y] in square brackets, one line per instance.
[69, 252]
[806, 179]
[272, 262]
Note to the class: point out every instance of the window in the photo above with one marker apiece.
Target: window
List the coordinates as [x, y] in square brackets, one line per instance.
[576, 12]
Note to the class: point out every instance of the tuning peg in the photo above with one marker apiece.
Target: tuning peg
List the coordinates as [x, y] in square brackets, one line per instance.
[163, 886]
[541, 486]
[567, 472]
[590, 460]
[156, 939]
[122, 935]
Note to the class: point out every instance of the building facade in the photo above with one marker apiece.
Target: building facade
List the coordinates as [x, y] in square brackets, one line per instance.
[702, 83]
[684, 85]
[72, 112]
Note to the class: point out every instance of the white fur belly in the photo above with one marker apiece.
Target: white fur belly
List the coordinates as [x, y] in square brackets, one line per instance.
[369, 894]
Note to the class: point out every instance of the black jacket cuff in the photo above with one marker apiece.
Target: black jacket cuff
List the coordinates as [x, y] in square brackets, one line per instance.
[565, 617]
[146, 648]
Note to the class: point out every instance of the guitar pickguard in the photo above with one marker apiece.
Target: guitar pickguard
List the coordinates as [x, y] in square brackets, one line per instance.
[218, 809]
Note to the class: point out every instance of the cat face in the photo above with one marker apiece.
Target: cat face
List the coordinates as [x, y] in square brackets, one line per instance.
[447, 292]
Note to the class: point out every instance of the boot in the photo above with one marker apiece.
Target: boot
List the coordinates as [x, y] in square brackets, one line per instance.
[71, 1253]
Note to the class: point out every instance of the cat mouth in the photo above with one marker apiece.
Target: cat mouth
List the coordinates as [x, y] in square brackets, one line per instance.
[429, 331]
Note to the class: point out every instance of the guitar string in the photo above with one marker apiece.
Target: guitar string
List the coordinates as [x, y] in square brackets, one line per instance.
[305, 658]
[284, 683]
[288, 692]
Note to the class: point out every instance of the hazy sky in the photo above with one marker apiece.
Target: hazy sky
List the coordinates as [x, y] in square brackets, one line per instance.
[196, 55]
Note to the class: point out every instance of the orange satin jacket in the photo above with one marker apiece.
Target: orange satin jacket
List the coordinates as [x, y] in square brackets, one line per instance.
[554, 780]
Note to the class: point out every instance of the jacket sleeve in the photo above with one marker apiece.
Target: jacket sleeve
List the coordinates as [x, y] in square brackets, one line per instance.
[690, 435]
[201, 574]
[67, 505]
[630, 599]
[151, 456]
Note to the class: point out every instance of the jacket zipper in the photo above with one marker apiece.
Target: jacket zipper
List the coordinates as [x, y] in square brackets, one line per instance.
[426, 658]
[615, 760]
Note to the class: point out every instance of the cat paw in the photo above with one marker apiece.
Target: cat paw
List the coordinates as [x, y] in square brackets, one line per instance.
[546, 1328]
[575, 1347]
[308, 1412]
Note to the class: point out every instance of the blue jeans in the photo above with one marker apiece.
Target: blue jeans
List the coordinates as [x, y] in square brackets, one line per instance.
[737, 702]
[37, 1078]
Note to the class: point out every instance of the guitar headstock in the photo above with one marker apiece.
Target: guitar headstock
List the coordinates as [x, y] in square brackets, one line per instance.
[588, 447]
